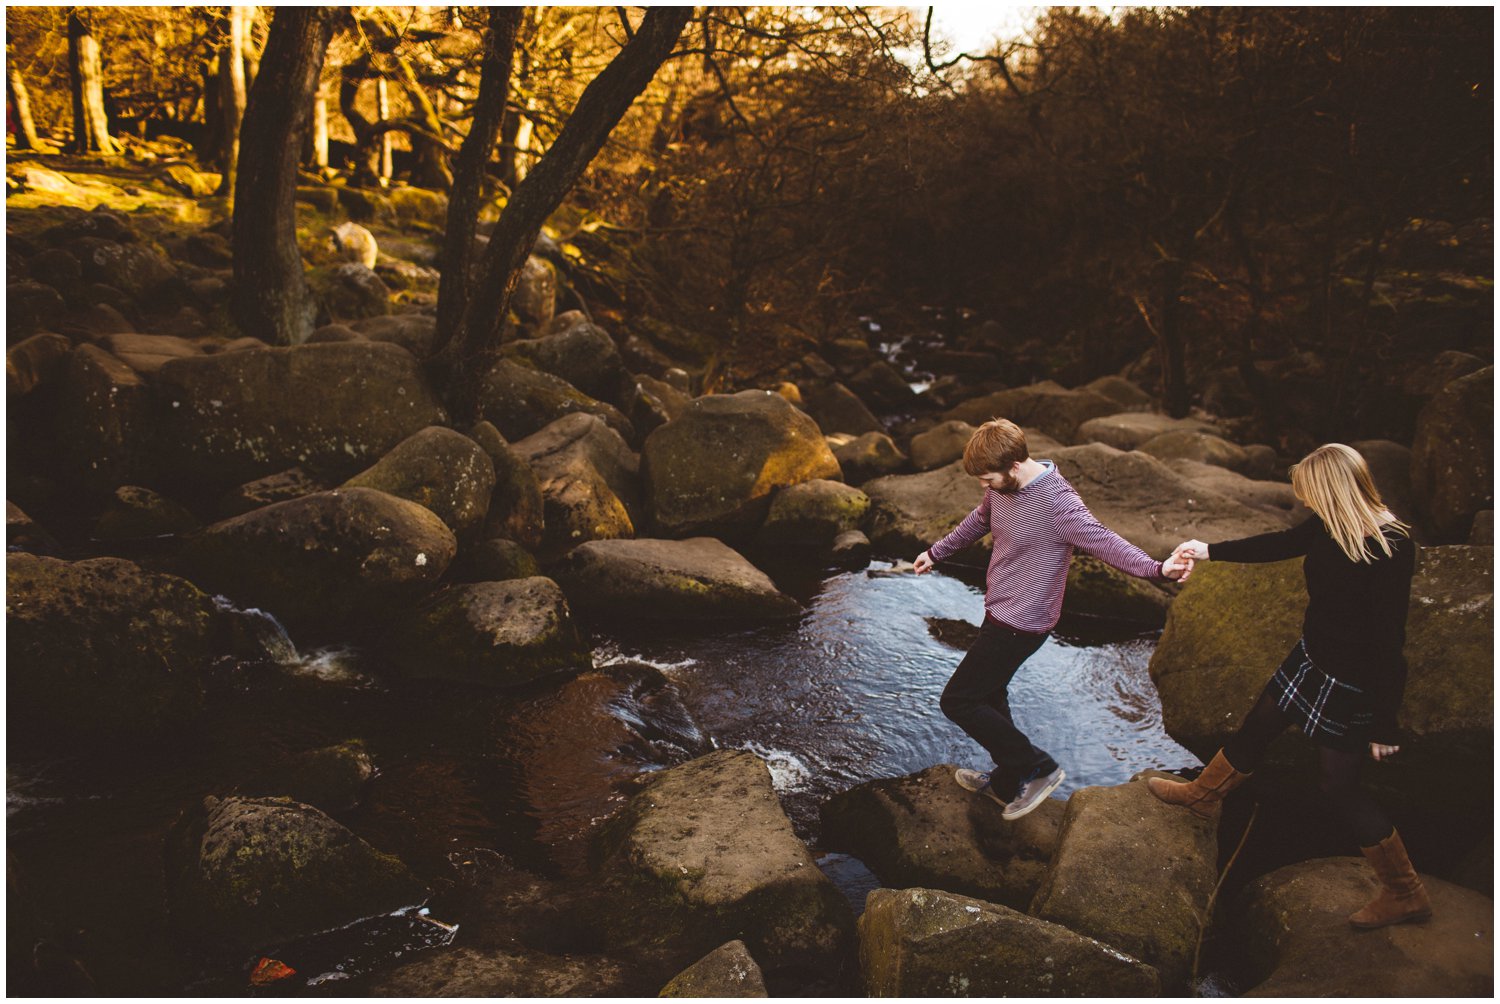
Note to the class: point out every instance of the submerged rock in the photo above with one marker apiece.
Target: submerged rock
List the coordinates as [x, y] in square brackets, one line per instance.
[924, 830]
[713, 470]
[727, 971]
[1134, 873]
[697, 579]
[332, 778]
[102, 649]
[441, 470]
[255, 872]
[925, 943]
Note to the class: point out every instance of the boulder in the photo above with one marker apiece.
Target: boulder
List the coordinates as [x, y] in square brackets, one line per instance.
[1134, 873]
[871, 455]
[1234, 623]
[352, 242]
[1452, 471]
[102, 649]
[58, 269]
[22, 533]
[520, 400]
[498, 634]
[589, 480]
[511, 970]
[334, 408]
[256, 872]
[494, 561]
[136, 270]
[850, 550]
[1142, 500]
[148, 353]
[1048, 406]
[103, 419]
[713, 470]
[1482, 533]
[940, 446]
[189, 181]
[1128, 430]
[516, 509]
[35, 362]
[1204, 447]
[1098, 590]
[1121, 391]
[365, 206]
[136, 513]
[335, 333]
[924, 830]
[413, 332]
[671, 401]
[727, 971]
[1296, 941]
[535, 297]
[697, 579]
[925, 943]
[101, 223]
[704, 854]
[1274, 498]
[908, 513]
[582, 354]
[31, 307]
[1446, 367]
[331, 778]
[348, 292]
[418, 205]
[882, 385]
[292, 483]
[1262, 463]
[850, 354]
[325, 560]
[1390, 466]
[441, 470]
[836, 408]
[810, 515]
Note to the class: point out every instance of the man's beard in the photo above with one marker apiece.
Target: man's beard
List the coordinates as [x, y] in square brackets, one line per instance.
[1009, 483]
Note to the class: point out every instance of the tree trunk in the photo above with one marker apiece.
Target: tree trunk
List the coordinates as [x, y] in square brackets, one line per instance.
[232, 94]
[90, 124]
[26, 128]
[468, 168]
[429, 150]
[366, 150]
[474, 347]
[271, 300]
[317, 153]
[387, 141]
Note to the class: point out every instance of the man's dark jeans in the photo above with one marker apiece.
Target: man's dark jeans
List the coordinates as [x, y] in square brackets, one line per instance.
[976, 700]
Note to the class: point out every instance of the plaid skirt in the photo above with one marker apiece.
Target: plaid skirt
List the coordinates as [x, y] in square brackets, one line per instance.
[1330, 712]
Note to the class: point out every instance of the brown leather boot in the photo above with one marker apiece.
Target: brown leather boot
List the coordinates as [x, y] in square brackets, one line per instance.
[1402, 895]
[1202, 795]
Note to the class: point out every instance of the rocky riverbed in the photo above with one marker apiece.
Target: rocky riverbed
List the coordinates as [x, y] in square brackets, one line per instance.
[471, 713]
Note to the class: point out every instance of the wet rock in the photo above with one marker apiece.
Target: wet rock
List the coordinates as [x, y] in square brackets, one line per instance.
[836, 408]
[516, 507]
[940, 446]
[232, 417]
[1048, 406]
[147, 353]
[327, 559]
[332, 778]
[589, 480]
[925, 943]
[1135, 873]
[136, 513]
[582, 354]
[103, 419]
[1390, 466]
[352, 242]
[872, 455]
[910, 512]
[697, 579]
[1298, 943]
[102, 649]
[255, 872]
[35, 362]
[415, 333]
[727, 971]
[441, 470]
[1121, 391]
[1234, 623]
[881, 385]
[672, 401]
[1275, 498]
[35, 178]
[535, 298]
[705, 854]
[495, 561]
[810, 515]
[713, 470]
[1452, 470]
[292, 483]
[850, 549]
[348, 292]
[924, 830]
[499, 634]
[1204, 447]
[1129, 430]
[521, 400]
[31, 307]
[23, 534]
[1098, 590]
[1142, 500]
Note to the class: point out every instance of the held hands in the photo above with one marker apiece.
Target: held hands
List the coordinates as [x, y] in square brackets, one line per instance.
[923, 564]
[1194, 549]
[1380, 751]
[1177, 567]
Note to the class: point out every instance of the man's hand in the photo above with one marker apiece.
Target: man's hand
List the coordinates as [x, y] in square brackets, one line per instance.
[923, 564]
[1380, 751]
[1177, 567]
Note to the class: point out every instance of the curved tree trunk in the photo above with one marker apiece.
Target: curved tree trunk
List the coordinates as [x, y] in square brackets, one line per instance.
[271, 300]
[232, 94]
[468, 168]
[474, 346]
[85, 70]
[26, 136]
[366, 149]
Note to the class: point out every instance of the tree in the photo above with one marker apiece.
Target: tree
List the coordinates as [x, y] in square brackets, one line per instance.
[473, 347]
[232, 93]
[90, 124]
[20, 99]
[271, 300]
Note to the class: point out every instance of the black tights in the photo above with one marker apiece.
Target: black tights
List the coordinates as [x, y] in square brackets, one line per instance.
[1338, 770]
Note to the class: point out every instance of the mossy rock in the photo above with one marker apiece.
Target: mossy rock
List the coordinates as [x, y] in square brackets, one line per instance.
[589, 480]
[137, 513]
[104, 420]
[582, 354]
[1098, 590]
[727, 971]
[516, 508]
[910, 512]
[871, 455]
[494, 561]
[810, 515]
[520, 400]
[331, 778]
[441, 470]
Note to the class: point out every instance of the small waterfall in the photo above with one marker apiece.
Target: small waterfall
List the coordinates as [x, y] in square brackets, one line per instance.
[257, 636]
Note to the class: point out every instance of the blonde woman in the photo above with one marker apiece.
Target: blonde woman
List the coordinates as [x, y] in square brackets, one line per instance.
[1341, 685]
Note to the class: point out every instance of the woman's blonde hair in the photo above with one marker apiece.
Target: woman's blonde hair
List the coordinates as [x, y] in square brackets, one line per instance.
[1334, 481]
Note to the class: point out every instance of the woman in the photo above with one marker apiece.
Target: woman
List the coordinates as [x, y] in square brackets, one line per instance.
[1341, 685]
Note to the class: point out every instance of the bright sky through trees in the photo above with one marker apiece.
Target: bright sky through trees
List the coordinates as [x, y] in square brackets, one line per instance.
[973, 27]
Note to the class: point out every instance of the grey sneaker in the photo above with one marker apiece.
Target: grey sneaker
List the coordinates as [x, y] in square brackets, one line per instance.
[1033, 793]
[979, 782]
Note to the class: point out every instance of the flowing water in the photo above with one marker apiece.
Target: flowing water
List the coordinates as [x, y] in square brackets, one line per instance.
[846, 694]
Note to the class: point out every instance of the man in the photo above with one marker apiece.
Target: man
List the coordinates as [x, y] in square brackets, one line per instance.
[1036, 520]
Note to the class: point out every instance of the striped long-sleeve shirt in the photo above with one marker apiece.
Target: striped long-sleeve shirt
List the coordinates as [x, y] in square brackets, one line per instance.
[1035, 532]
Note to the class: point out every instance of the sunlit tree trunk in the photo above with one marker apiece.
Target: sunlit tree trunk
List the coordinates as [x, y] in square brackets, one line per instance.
[317, 152]
[383, 117]
[271, 300]
[26, 137]
[232, 93]
[473, 348]
[90, 124]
